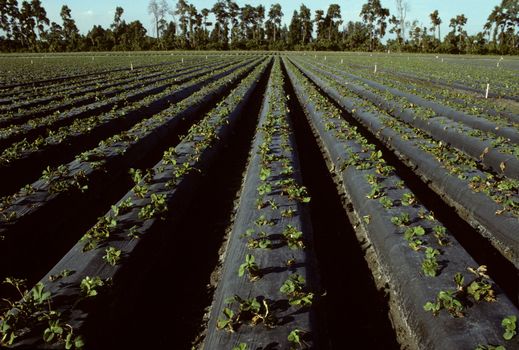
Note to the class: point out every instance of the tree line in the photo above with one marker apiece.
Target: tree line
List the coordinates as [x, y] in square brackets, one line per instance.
[25, 27]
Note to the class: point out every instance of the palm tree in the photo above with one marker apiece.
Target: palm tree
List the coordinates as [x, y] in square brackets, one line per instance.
[436, 21]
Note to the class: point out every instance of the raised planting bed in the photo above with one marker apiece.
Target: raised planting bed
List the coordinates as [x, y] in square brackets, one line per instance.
[267, 282]
[54, 117]
[497, 153]
[100, 265]
[24, 161]
[86, 182]
[431, 278]
[485, 201]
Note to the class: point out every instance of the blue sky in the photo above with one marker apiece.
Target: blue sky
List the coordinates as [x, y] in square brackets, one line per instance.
[90, 12]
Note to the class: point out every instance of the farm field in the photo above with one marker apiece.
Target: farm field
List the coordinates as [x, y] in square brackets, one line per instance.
[209, 200]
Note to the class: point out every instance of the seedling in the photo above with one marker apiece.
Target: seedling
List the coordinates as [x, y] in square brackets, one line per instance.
[294, 289]
[293, 237]
[386, 202]
[98, 233]
[241, 346]
[251, 267]
[298, 193]
[371, 179]
[228, 322]
[89, 286]
[264, 173]
[273, 204]
[261, 242]
[247, 233]
[62, 274]
[401, 220]
[408, 199]
[412, 232]
[440, 235]
[263, 221]
[295, 337]
[480, 288]
[430, 265]
[287, 170]
[490, 347]
[288, 213]
[54, 329]
[134, 233]
[140, 191]
[510, 326]
[113, 255]
[157, 206]
[445, 300]
[264, 189]
[32, 307]
[126, 205]
[460, 281]
[376, 191]
[249, 310]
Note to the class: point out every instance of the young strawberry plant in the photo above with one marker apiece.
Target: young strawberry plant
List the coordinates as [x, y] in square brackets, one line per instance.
[250, 267]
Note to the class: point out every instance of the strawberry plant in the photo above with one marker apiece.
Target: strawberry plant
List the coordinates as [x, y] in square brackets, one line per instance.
[430, 265]
[89, 286]
[251, 267]
[510, 326]
[410, 235]
[445, 300]
[295, 337]
[294, 289]
[401, 220]
[251, 311]
[157, 207]
[490, 347]
[112, 256]
[34, 307]
[293, 237]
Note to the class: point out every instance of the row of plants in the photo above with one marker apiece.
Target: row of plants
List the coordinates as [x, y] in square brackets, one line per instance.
[501, 137]
[485, 200]
[266, 287]
[65, 94]
[92, 172]
[18, 73]
[72, 86]
[453, 72]
[23, 161]
[65, 114]
[416, 255]
[450, 99]
[118, 236]
[492, 109]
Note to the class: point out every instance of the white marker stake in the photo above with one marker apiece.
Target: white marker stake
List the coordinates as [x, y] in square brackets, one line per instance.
[375, 71]
[315, 56]
[182, 59]
[442, 59]
[32, 62]
[497, 65]
[92, 58]
[342, 60]
[131, 66]
[205, 56]
[486, 93]
[325, 58]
